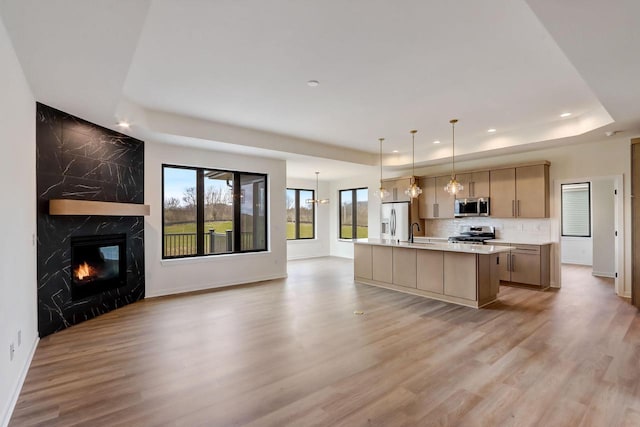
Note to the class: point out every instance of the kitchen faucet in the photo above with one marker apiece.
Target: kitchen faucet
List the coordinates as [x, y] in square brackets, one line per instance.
[411, 231]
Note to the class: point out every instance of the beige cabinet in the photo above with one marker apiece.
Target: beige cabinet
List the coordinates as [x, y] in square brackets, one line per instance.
[521, 192]
[382, 264]
[430, 272]
[459, 270]
[435, 202]
[526, 264]
[404, 267]
[427, 200]
[475, 184]
[502, 193]
[362, 266]
[395, 189]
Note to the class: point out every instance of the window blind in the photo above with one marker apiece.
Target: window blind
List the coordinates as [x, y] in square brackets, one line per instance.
[576, 210]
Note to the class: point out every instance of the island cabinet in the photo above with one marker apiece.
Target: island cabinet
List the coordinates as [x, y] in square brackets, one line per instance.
[521, 192]
[526, 264]
[404, 267]
[475, 184]
[462, 277]
[395, 189]
[382, 264]
[435, 202]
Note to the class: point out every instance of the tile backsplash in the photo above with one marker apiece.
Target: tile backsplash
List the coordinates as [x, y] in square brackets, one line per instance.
[506, 228]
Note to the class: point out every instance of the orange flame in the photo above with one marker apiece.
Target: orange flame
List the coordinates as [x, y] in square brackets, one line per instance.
[84, 270]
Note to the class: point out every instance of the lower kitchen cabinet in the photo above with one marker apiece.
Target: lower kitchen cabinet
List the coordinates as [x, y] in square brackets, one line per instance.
[362, 261]
[430, 271]
[404, 267]
[382, 263]
[460, 277]
[459, 270]
[526, 264]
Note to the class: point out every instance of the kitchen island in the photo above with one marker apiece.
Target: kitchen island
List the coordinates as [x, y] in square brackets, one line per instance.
[453, 272]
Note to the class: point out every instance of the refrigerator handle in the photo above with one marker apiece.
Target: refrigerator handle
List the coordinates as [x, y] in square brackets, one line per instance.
[393, 222]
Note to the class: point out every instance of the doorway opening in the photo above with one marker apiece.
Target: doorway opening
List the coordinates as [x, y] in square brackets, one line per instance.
[591, 226]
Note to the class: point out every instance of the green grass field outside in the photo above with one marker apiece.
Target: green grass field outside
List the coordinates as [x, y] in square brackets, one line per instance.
[362, 232]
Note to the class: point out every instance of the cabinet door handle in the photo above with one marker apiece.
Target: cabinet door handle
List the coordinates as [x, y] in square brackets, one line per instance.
[508, 262]
[518, 207]
[513, 263]
[513, 208]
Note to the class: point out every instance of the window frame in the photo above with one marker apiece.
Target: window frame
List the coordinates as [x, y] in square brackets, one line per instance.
[354, 212]
[562, 233]
[296, 207]
[200, 219]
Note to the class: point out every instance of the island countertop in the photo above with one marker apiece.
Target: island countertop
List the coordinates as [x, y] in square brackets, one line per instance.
[437, 246]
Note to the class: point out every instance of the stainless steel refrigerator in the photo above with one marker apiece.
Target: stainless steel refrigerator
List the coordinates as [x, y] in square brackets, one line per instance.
[395, 221]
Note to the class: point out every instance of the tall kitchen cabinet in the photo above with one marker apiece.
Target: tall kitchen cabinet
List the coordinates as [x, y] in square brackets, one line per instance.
[435, 202]
[520, 192]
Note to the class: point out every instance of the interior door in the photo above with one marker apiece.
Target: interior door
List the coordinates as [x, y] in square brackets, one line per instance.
[635, 221]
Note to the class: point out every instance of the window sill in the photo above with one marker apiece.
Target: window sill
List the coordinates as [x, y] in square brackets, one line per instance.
[299, 241]
[208, 258]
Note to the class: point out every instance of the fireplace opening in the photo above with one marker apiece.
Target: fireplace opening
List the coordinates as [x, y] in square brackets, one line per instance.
[98, 263]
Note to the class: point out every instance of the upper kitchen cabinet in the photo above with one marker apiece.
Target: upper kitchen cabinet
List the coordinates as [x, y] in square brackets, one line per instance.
[435, 202]
[395, 188]
[475, 184]
[444, 200]
[521, 192]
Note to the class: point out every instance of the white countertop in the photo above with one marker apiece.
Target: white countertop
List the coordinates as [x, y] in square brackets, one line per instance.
[538, 242]
[450, 247]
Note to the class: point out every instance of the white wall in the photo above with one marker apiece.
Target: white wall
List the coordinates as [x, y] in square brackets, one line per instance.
[603, 219]
[344, 248]
[318, 247]
[17, 252]
[576, 250]
[182, 275]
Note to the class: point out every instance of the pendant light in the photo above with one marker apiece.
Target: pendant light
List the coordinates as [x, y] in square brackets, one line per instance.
[317, 200]
[382, 192]
[453, 187]
[413, 191]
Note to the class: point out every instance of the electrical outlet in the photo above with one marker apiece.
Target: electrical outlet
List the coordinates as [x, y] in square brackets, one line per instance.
[11, 351]
[19, 338]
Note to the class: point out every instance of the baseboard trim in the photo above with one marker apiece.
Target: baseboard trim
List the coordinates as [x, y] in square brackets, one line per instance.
[186, 289]
[603, 274]
[23, 375]
[296, 258]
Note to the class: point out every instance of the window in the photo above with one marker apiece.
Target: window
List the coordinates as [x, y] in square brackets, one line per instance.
[300, 214]
[209, 212]
[354, 213]
[576, 210]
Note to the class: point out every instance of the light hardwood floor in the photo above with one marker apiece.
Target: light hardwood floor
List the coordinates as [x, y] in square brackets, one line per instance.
[292, 352]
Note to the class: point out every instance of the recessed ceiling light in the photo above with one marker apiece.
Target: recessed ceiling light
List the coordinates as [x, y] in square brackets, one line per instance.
[565, 114]
[395, 151]
[436, 142]
[492, 130]
[124, 124]
[313, 83]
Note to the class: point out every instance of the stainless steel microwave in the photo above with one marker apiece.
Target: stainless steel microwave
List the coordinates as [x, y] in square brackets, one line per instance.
[471, 207]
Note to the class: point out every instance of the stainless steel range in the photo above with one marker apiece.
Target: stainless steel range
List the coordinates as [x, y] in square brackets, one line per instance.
[476, 235]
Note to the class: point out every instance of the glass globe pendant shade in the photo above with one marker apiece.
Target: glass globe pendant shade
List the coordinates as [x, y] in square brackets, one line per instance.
[413, 191]
[382, 193]
[453, 187]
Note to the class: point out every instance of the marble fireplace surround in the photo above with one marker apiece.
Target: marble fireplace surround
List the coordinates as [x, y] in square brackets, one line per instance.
[80, 161]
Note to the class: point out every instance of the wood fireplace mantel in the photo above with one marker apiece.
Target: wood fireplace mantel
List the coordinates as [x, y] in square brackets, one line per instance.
[91, 207]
